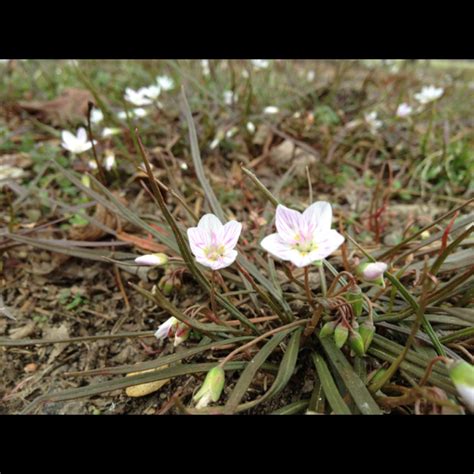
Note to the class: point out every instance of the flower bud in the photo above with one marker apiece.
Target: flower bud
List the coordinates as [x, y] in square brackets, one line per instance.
[354, 297]
[367, 331]
[181, 334]
[372, 272]
[166, 285]
[357, 343]
[341, 333]
[152, 259]
[211, 389]
[328, 329]
[462, 375]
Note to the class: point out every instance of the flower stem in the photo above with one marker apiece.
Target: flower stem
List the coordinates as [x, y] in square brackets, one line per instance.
[322, 276]
[309, 295]
[212, 293]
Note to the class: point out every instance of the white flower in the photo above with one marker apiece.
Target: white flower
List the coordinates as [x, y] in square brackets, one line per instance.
[205, 67]
[137, 98]
[429, 94]
[97, 116]
[153, 259]
[152, 92]
[310, 76]
[76, 143]
[173, 326]
[215, 143]
[165, 82]
[404, 110]
[109, 161]
[372, 122]
[231, 132]
[92, 164]
[229, 97]
[165, 329]
[303, 238]
[107, 132]
[140, 112]
[260, 63]
[250, 127]
[213, 243]
[271, 109]
[372, 272]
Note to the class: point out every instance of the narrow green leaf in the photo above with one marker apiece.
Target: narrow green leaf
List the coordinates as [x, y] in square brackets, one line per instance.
[359, 392]
[331, 392]
[249, 373]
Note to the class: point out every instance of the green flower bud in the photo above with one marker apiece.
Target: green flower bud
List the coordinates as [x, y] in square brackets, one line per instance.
[166, 285]
[341, 333]
[462, 375]
[211, 388]
[328, 329]
[378, 375]
[357, 343]
[355, 299]
[367, 331]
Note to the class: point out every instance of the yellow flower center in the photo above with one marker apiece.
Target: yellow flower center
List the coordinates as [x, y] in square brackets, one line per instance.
[214, 252]
[304, 245]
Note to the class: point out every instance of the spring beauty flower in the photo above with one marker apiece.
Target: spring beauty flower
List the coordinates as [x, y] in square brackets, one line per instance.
[97, 116]
[250, 127]
[260, 63]
[76, 143]
[139, 97]
[173, 327]
[229, 97]
[429, 94]
[372, 121]
[372, 272]
[108, 132]
[152, 92]
[165, 82]
[271, 110]
[213, 243]
[205, 67]
[152, 259]
[404, 110]
[303, 238]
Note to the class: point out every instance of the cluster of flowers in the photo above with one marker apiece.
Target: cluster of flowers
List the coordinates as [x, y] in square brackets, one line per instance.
[79, 143]
[427, 95]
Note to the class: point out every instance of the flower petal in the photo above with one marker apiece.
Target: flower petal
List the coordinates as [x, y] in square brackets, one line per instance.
[327, 242]
[278, 247]
[288, 222]
[68, 138]
[230, 234]
[82, 135]
[164, 328]
[198, 240]
[212, 226]
[318, 216]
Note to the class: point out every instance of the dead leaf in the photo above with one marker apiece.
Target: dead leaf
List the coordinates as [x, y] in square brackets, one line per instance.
[143, 244]
[70, 107]
[60, 332]
[145, 388]
[23, 331]
[91, 232]
[288, 153]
